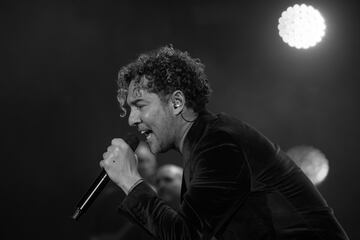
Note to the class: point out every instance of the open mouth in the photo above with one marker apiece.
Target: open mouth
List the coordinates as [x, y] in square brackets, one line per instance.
[146, 133]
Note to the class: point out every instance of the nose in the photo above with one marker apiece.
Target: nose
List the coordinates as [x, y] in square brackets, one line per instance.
[160, 185]
[134, 118]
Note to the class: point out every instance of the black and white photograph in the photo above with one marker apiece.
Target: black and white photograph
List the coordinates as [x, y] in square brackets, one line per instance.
[180, 120]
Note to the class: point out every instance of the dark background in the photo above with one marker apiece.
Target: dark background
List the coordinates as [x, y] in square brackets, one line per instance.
[59, 62]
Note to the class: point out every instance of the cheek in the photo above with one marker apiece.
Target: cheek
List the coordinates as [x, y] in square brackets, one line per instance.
[146, 116]
[156, 120]
[151, 116]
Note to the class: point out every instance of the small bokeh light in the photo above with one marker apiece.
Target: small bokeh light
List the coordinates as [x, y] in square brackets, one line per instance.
[311, 161]
[301, 26]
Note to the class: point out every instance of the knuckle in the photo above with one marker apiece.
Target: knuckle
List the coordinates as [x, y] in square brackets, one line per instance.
[117, 142]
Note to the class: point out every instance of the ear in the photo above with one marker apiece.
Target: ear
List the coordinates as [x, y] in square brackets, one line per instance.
[177, 102]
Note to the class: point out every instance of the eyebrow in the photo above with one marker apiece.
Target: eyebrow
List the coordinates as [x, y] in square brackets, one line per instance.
[136, 101]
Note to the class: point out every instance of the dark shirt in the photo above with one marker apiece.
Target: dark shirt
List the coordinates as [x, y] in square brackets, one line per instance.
[236, 185]
[107, 224]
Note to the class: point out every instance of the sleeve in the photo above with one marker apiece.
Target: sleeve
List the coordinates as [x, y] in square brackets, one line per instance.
[220, 183]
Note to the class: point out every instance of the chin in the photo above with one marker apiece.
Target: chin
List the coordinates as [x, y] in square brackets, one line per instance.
[154, 149]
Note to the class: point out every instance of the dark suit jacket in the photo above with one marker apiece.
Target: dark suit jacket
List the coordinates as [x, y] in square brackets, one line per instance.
[236, 185]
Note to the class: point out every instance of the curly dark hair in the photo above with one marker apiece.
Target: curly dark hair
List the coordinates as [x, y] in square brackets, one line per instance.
[167, 70]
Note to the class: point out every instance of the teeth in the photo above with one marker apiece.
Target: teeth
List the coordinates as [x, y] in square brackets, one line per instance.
[146, 133]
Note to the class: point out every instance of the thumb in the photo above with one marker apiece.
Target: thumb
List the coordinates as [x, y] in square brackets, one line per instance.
[136, 160]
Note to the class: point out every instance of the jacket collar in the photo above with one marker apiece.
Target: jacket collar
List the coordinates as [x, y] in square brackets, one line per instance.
[195, 133]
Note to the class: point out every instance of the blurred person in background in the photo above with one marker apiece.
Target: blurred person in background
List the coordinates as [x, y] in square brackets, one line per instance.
[168, 184]
[147, 164]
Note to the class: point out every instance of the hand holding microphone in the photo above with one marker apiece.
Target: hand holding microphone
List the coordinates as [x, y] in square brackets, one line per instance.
[120, 163]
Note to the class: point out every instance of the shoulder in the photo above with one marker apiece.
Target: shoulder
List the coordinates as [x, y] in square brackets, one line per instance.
[220, 132]
[222, 129]
[218, 150]
[226, 130]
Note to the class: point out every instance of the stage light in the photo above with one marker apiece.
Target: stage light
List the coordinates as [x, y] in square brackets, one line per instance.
[311, 161]
[301, 26]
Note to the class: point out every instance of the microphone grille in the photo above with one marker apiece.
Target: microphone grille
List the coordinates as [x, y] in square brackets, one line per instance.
[132, 140]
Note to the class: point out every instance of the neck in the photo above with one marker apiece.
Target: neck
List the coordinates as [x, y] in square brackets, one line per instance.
[186, 121]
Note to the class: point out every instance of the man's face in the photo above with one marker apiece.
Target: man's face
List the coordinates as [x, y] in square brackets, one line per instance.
[152, 117]
[168, 184]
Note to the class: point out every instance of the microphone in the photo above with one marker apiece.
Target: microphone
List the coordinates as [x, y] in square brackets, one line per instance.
[99, 183]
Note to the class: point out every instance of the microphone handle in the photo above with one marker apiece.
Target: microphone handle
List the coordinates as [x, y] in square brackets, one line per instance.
[88, 198]
[99, 184]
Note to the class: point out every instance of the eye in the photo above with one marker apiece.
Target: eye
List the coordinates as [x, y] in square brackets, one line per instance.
[140, 106]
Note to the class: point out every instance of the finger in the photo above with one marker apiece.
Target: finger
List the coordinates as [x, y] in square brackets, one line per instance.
[106, 155]
[101, 163]
[117, 142]
[111, 148]
[111, 152]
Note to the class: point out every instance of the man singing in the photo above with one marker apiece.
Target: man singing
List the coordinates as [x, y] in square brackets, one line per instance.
[236, 183]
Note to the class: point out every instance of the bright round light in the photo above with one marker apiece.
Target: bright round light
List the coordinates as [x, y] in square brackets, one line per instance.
[311, 161]
[301, 26]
